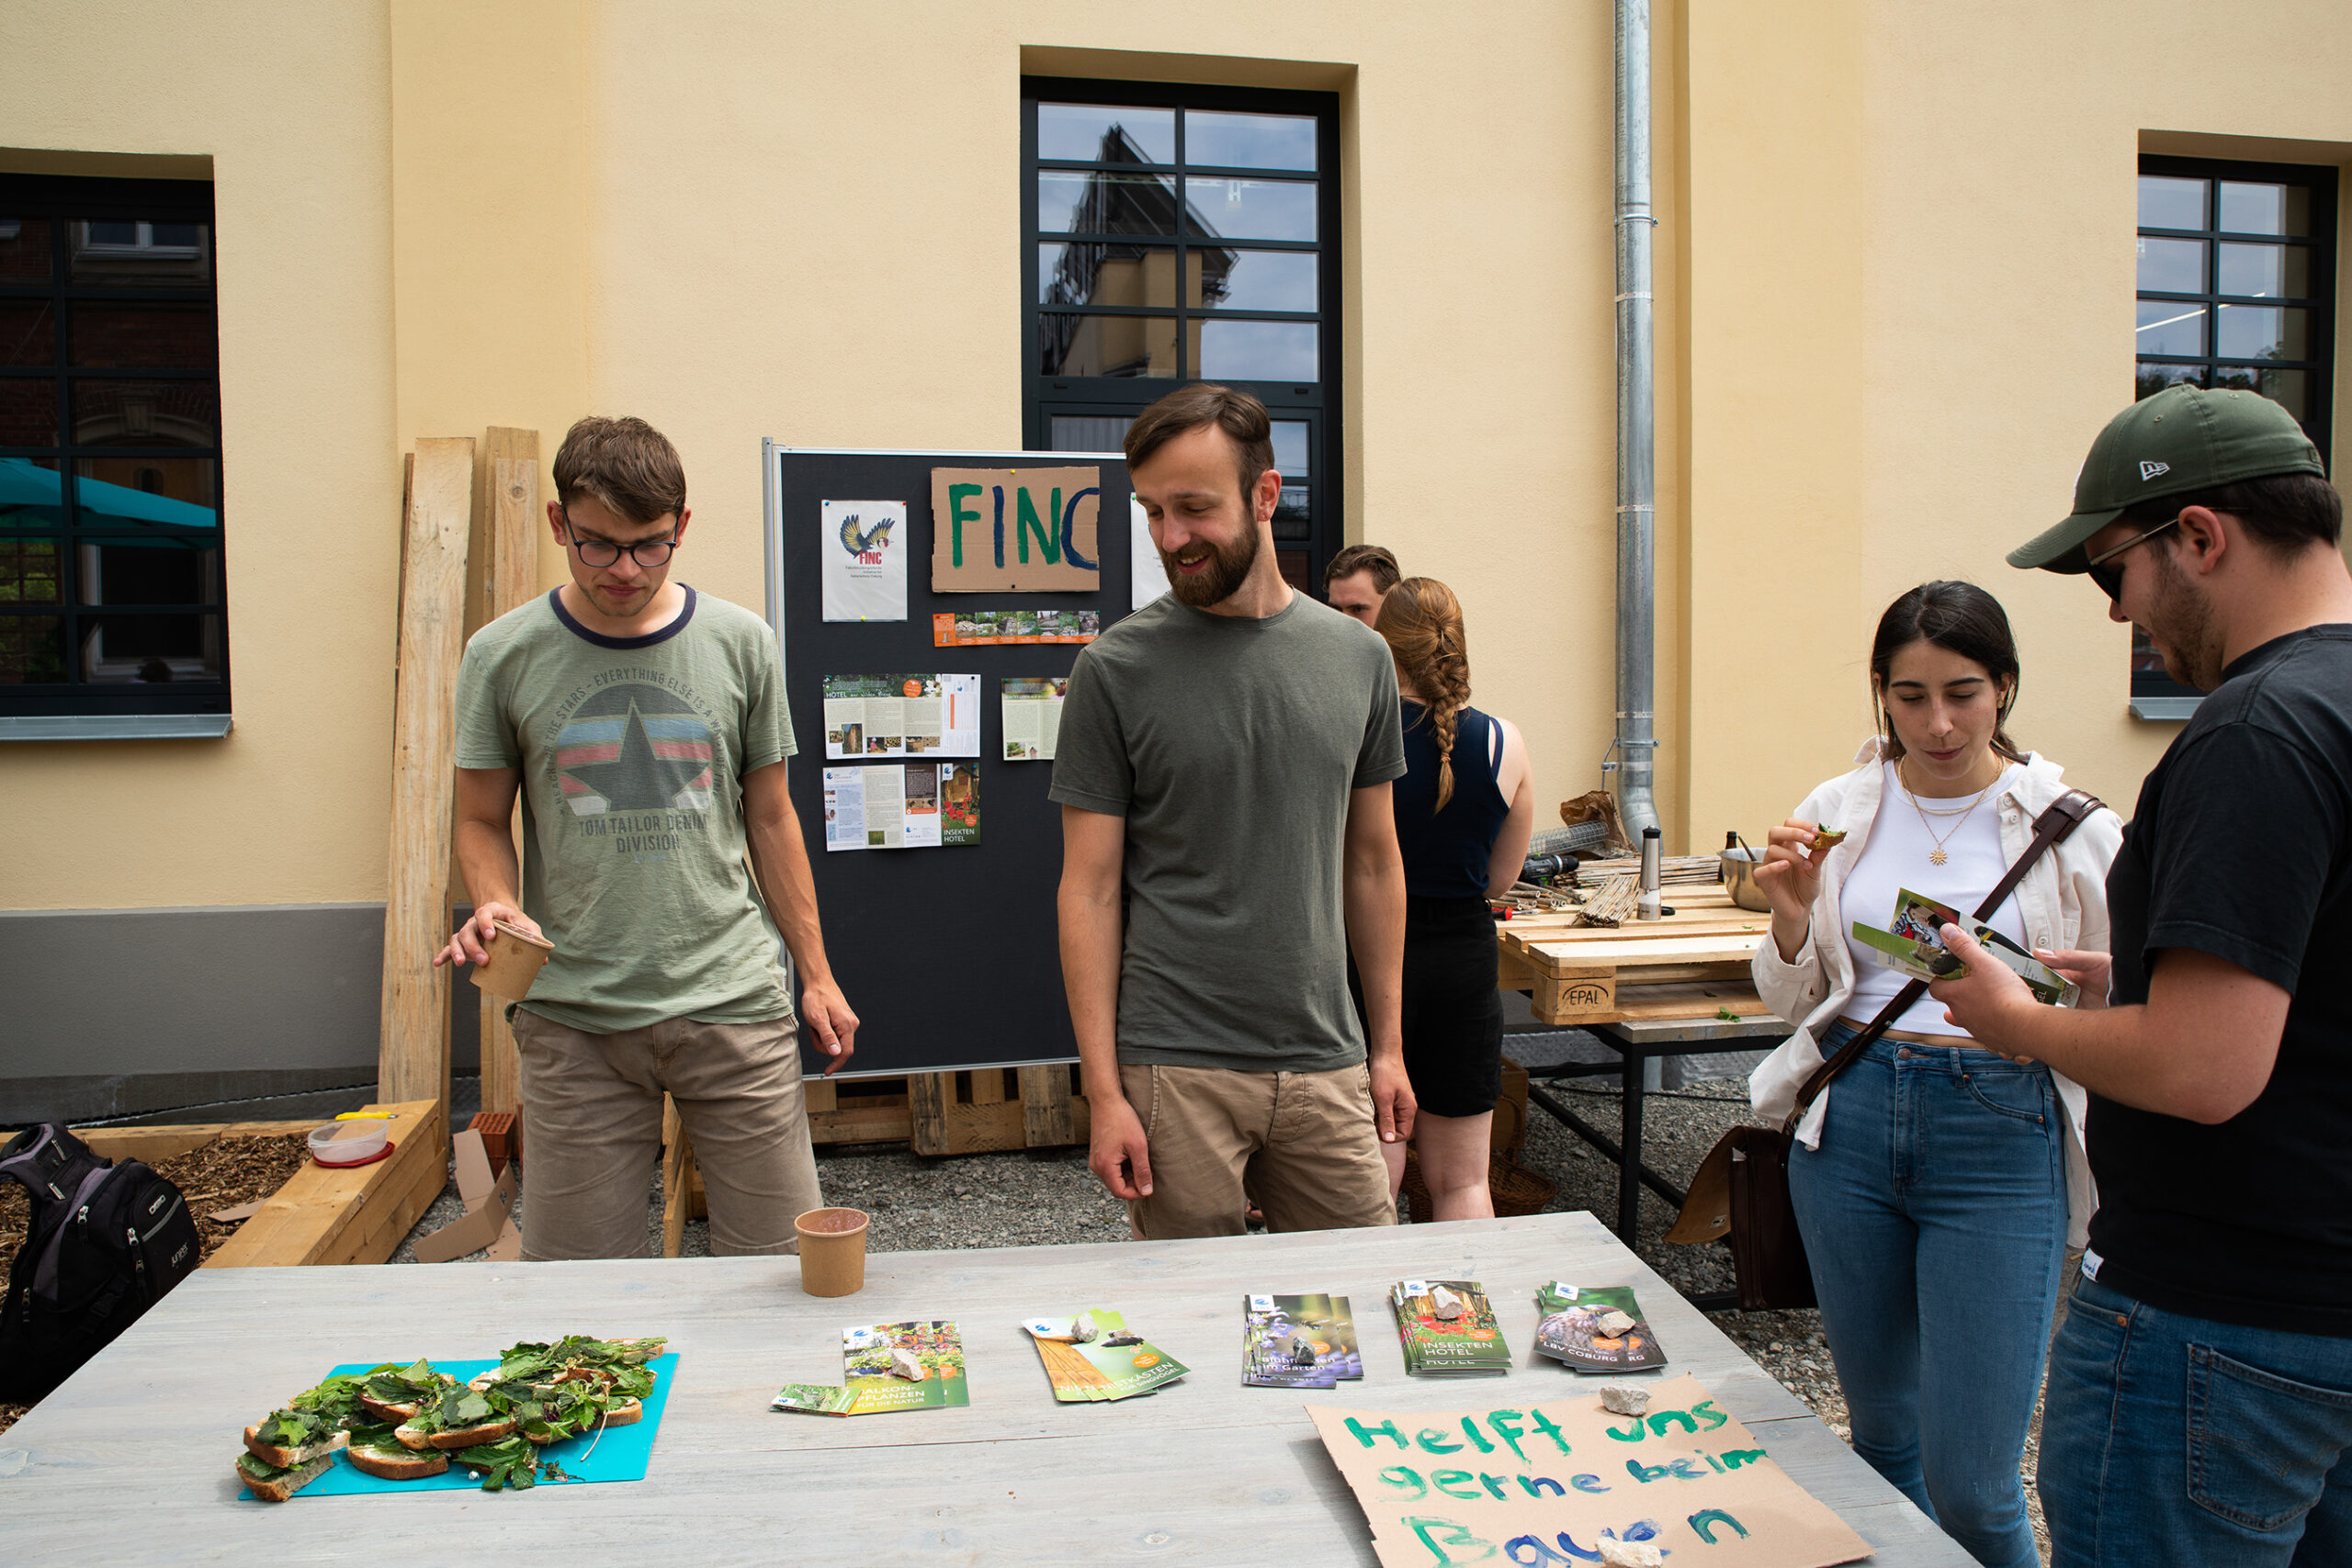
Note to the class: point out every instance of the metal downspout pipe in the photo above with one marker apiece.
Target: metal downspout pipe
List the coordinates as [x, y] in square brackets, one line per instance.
[1637, 743]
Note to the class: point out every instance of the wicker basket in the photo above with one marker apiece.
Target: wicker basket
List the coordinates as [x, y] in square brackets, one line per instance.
[1516, 1188]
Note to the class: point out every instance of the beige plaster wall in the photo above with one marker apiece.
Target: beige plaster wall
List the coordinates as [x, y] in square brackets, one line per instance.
[1893, 273]
[291, 103]
[1911, 311]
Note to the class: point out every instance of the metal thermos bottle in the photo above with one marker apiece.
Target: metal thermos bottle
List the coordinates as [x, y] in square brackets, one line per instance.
[1653, 845]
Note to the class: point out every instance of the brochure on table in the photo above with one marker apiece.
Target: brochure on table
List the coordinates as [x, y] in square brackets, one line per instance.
[1095, 1357]
[1576, 1329]
[902, 805]
[1298, 1342]
[874, 1358]
[1555, 1478]
[871, 717]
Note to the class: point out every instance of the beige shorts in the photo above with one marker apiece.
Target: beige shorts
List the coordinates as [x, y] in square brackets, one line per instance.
[592, 1134]
[1304, 1142]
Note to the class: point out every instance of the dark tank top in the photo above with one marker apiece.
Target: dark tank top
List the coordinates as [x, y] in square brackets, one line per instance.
[1447, 853]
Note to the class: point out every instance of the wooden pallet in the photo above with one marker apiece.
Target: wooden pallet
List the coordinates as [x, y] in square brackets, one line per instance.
[1693, 963]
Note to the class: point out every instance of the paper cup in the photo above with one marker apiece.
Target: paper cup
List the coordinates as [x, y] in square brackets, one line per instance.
[832, 1251]
[516, 957]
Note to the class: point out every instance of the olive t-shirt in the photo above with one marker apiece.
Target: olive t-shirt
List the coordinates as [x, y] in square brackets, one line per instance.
[632, 753]
[1230, 745]
[2241, 847]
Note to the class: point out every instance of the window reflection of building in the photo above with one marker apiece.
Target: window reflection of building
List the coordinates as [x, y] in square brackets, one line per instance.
[110, 562]
[1135, 275]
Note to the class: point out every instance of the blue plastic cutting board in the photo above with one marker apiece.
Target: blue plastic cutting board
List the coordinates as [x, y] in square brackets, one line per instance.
[623, 1453]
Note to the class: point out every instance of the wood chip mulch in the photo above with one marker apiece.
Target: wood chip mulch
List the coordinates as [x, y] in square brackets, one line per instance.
[221, 1175]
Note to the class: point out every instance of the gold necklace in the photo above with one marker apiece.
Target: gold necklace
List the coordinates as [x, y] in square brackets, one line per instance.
[1936, 856]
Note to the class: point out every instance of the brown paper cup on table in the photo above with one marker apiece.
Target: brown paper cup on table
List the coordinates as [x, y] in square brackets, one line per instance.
[832, 1251]
[516, 957]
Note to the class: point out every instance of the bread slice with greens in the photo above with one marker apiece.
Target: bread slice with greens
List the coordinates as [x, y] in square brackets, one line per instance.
[277, 1482]
[291, 1438]
[393, 1393]
[458, 1419]
[376, 1451]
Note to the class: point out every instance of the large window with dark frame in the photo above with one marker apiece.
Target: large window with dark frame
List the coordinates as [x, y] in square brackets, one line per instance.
[2236, 288]
[1177, 234]
[111, 599]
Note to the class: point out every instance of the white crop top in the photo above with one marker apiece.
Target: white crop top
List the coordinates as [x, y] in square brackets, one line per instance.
[1896, 857]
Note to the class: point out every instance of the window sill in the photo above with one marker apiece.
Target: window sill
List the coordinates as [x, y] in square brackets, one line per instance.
[2164, 708]
[115, 726]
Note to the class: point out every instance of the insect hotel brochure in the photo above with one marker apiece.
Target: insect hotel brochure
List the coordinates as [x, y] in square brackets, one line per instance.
[864, 549]
[902, 805]
[1549, 1482]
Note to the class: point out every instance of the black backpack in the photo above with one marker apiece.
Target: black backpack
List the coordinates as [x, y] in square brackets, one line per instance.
[107, 1242]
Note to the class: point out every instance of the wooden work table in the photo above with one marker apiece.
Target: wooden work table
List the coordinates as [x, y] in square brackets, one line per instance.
[1691, 964]
[129, 1462]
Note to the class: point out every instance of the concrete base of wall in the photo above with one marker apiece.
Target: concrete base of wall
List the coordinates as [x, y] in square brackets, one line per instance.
[113, 1013]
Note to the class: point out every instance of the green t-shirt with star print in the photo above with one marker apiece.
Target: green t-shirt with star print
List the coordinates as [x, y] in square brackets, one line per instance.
[632, 753]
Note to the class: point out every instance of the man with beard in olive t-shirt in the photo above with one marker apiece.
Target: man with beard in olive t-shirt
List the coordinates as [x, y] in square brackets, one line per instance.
[2199, 1401]
[1223, 769]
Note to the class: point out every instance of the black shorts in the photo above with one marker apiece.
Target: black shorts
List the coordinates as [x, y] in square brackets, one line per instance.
[1452, 1014]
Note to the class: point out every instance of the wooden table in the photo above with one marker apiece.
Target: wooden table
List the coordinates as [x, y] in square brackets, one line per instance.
[129, 1462]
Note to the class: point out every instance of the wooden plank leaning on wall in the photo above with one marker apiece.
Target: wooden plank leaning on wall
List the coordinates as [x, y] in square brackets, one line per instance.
[508, 479]
[412, 1053]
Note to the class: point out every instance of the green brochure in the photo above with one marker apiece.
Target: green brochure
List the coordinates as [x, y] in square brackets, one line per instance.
[1094, 1355]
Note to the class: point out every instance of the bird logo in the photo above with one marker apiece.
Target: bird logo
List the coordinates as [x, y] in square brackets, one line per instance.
[862, 542]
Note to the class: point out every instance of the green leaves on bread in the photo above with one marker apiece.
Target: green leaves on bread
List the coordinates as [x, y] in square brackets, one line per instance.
[1825, 840]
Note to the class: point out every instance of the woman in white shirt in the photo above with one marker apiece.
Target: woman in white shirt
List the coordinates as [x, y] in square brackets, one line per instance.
[1937, 1184]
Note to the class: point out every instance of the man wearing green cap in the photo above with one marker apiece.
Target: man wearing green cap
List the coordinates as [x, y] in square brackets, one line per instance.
[2199, 1401]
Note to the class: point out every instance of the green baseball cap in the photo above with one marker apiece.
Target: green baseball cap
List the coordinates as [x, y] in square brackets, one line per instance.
[2182, 439]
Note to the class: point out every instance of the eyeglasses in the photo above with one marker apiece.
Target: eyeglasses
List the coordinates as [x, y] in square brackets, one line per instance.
[2110, 578]
[604, 552]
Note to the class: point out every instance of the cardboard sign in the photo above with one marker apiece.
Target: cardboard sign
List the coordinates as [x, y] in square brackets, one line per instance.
[1014, 530]
[1546, 1483]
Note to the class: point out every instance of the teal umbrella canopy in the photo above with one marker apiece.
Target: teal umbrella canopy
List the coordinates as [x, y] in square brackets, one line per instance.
[30, 499]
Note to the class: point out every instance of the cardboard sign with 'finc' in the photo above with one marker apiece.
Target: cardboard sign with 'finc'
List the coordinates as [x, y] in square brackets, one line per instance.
[1014, 530]
[1548, 1483]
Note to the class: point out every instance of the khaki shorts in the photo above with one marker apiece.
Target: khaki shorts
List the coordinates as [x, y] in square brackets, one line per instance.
[592, 1134]
[1304, 1142]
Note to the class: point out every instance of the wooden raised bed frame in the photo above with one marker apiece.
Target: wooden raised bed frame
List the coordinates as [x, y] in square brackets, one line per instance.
[359, 1215]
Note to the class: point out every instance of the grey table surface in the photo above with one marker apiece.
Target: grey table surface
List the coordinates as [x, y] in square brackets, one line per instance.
[130, 1460]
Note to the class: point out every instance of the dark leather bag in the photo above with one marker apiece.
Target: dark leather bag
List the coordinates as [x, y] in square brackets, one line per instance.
[1741, 1190]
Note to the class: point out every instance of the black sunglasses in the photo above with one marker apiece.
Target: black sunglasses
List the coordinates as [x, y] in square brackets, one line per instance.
[2110, 578]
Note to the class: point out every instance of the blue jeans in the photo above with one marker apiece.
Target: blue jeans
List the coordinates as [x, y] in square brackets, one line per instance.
[2170, 1439]
[1934, 1216]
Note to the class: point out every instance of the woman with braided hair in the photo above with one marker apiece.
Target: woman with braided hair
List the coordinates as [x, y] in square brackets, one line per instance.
[1465, 809]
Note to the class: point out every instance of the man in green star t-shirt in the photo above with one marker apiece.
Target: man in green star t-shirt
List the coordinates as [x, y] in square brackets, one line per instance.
[643, 727]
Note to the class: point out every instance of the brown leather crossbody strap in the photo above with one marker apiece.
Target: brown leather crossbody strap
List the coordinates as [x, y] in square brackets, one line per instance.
[2064, 814]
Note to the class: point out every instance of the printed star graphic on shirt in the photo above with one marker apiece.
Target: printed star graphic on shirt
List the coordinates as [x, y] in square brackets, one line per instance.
[638, 780]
